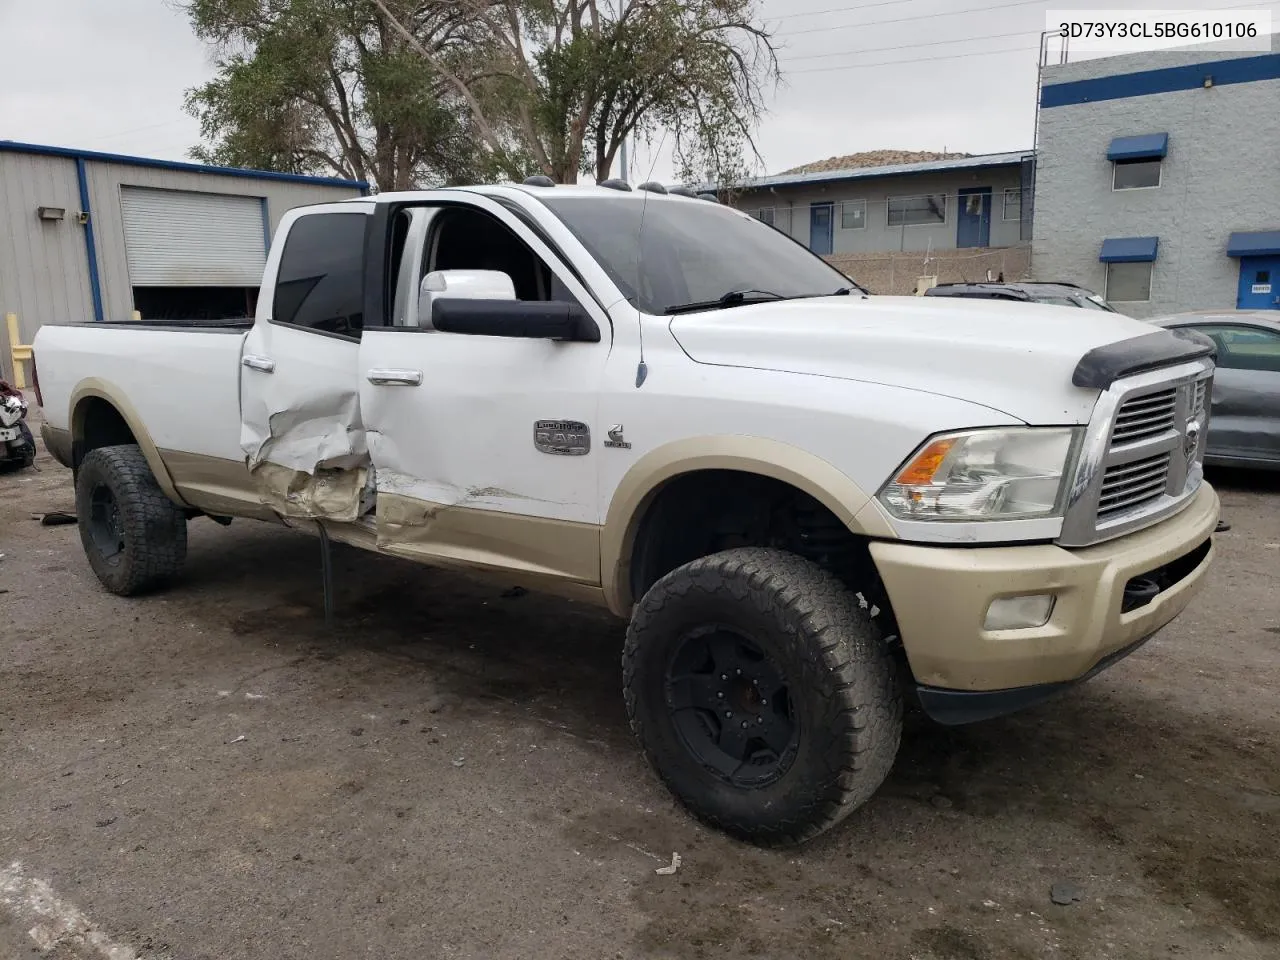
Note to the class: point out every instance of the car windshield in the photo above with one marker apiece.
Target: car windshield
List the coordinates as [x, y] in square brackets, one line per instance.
[1088, 302]
[692, 253]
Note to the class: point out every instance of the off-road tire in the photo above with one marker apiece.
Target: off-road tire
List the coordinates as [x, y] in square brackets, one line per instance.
[842, 682]
[151, 530]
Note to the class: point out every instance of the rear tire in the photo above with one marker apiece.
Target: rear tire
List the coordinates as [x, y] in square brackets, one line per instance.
[134, 536]
[762, 693]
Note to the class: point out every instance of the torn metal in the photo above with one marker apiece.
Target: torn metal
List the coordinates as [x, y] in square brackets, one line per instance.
[312, 464]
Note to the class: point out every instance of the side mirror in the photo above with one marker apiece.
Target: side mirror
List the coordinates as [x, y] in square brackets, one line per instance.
[461, 284]
[536, 320]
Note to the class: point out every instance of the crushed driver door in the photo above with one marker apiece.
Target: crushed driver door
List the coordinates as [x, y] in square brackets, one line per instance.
[301, 430]
[485, 447]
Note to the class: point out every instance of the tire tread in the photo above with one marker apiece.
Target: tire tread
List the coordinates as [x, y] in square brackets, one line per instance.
[845, 663]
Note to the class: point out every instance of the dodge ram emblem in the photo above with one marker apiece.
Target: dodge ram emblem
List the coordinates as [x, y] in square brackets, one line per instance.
[565, 438]
[1192, 439]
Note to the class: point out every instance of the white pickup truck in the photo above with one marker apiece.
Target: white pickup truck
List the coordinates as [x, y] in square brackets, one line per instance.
[813, 505]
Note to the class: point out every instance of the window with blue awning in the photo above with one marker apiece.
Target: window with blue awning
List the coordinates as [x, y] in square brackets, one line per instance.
[1263, 243]
[1149, 146]
[1129, 249]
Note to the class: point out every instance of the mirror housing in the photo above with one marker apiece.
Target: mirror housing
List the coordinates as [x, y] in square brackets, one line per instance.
[461, 284]
[535, 320]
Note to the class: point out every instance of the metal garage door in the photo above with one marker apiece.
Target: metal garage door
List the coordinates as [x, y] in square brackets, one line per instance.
[179, 239]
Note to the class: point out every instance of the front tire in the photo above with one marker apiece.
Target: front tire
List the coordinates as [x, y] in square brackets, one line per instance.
[134, 536]
[762, 693]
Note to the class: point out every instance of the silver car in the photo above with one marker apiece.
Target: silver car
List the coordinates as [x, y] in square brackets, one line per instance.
[1244, 425]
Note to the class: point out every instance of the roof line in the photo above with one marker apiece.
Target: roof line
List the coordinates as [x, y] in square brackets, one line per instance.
[13, 146]
[1007, 158]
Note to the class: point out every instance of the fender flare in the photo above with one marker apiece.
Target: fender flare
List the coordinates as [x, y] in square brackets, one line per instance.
[641, 484]
[94, 387]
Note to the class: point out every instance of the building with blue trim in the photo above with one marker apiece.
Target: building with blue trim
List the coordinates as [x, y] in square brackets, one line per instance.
[1157, 179]
[891, 224]
[97, 236]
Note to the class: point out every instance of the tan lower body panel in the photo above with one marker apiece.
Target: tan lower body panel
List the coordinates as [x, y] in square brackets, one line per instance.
[217, 486]
[556, 556]
[940, 597]
[329, 494]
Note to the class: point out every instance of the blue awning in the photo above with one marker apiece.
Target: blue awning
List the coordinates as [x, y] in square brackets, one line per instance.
[1149, 146]
[1261, 244]
[1128, 249]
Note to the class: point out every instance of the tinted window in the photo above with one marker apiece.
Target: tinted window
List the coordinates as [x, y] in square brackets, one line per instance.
[690, 251]
[906, 211]
[853, 214]
[1245, 348]
[1012, 205]
[1129, 282]
[1131, 174]
[321, 279]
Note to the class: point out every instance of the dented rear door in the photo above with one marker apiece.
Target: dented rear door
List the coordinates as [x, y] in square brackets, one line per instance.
[301, 429]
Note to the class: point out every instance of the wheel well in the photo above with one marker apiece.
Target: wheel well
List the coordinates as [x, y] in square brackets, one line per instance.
[98, 424]
[707, 511]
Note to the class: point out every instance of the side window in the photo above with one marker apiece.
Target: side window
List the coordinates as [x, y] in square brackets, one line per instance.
[1135, 174]
[467, 239]
[320, 283]
[1245, 348]
[1129, 282]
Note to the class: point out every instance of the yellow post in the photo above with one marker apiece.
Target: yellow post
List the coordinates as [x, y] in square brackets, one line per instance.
[18, 352]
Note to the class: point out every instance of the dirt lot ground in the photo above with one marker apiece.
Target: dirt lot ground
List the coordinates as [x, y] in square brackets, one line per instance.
[208, 773]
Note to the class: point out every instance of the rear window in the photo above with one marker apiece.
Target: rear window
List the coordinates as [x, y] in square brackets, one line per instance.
[320, 284]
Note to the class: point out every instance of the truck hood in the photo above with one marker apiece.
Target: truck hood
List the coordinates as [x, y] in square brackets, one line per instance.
[1012, 357]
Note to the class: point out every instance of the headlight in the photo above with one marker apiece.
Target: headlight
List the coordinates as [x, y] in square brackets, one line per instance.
[998, 474]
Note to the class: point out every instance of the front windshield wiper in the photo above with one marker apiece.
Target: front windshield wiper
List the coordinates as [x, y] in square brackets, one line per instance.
[734, 298]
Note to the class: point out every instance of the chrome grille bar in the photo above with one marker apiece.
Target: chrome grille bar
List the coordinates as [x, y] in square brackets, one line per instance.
[1141, 459]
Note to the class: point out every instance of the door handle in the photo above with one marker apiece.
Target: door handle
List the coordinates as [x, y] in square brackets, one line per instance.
[265, 364]
[384, 377]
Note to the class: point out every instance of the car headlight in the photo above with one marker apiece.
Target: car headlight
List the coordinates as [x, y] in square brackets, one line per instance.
[995, 474]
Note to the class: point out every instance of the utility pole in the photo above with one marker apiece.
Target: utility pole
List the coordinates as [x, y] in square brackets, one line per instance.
[623, 158]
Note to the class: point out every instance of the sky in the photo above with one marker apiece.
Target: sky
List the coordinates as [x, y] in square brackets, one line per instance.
[956, 75]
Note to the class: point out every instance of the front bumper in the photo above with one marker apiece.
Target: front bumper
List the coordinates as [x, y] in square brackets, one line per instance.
[940, 597]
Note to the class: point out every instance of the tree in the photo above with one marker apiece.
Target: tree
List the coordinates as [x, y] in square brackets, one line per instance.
[332, 87]
[562, 83]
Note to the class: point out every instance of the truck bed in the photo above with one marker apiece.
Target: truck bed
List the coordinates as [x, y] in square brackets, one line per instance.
[180, 377]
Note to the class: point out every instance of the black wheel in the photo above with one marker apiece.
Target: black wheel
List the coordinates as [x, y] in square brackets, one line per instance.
[762, 694]
[134, 536]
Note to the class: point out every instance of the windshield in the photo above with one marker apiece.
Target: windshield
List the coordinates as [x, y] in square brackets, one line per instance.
[691, 252]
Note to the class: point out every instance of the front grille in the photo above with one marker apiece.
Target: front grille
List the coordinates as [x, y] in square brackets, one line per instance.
[1143, 453]
[1130, 485]
[1146, 416]
[1201, 392]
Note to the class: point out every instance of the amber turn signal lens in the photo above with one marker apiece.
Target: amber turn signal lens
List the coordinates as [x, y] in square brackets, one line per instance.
[925, 466]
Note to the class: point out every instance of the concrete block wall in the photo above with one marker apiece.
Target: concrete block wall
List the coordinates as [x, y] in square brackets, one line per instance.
[1222, 174]
[896, 272]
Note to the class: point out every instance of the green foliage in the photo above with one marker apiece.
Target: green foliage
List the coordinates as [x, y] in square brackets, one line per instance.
[328, 87]
[412, 92]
